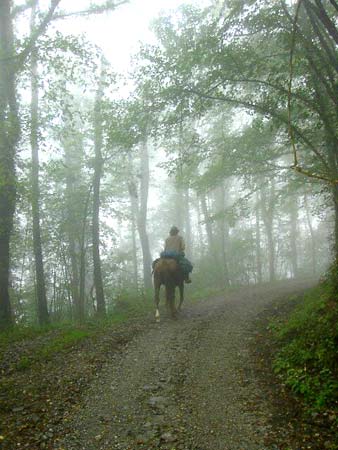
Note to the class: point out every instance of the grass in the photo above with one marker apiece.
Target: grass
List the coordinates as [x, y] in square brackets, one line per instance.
[307, 361]
[39, 344]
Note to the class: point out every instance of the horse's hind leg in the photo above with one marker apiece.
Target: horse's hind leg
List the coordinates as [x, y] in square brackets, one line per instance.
[157, 286]
[170, 291]
[181, 288]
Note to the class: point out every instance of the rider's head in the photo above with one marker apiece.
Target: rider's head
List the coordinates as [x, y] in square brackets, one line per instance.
[174, 230]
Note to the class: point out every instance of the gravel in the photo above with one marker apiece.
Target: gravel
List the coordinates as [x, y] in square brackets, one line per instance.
[190, 384]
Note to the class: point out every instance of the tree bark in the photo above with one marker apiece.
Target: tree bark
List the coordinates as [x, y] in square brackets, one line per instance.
[142, 217]
[335, 202]
[267, 206]
[294, 235]
[72, 230]
[220, 208]
[42, 308]
[133, 213]
[83, 259]
[187, 222]
[207, 222]
[258, 246]
[313, 242]
[98, 170]
[9, 136]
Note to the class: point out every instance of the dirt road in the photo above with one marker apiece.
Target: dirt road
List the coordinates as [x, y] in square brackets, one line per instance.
[190, 384]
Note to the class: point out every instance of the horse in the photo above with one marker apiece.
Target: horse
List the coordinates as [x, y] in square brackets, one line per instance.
[168, 272]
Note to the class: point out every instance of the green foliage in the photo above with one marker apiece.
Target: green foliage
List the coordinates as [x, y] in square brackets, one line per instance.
[308, 359]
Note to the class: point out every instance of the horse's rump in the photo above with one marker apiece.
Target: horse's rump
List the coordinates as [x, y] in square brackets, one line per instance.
[167, 269]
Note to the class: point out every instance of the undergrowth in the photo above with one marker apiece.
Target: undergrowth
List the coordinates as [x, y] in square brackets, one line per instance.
[307, 361]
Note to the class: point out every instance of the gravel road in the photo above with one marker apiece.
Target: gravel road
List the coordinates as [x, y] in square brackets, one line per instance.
[190, 384]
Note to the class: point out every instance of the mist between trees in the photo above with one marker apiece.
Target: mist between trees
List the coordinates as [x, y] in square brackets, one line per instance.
[236, 104]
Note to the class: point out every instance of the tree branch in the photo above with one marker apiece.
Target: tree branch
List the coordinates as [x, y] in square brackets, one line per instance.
[109, 5]
[41, 28]
[262, 109]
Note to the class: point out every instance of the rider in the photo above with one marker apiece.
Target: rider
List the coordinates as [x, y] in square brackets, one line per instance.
[174, 247]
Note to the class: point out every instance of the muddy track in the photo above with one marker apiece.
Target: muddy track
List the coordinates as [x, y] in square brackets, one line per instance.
[190, 384]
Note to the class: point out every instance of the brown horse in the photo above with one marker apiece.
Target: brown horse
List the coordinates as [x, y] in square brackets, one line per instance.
[168, 273]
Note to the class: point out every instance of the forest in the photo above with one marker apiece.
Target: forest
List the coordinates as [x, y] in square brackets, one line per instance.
[229, 133]
[225, 126]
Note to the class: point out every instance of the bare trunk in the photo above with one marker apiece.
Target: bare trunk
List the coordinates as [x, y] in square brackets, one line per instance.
[335, 202]
[142, 217]
[271, 249]
[82, 270]
[222, 248]
[187, 222]
[179, 207]
[98, 170]
[258, 248]
[207, 222]
[43, 315]
[133, 213]
[267, 206]
[9, 136]
[73, 223]
[200, 231]
[313, 242]
[294, 236]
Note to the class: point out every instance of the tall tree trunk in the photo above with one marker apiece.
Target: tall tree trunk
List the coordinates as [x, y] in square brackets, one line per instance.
[294, 235]
[82, 271]
[208, 226]
[133, 213]
[201, 246]
[142, 216]
[9, 136]
[187, 222]
[258, 246]
[98, 170]
[267, 207]
[73, 174]
[312, 235]
[43, 315]
[335, 202]
[179, 207]
[222, 248]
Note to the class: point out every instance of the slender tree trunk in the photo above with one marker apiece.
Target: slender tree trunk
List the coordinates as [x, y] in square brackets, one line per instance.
[142, 217]
[72, 174]
[179, 207]
[335, 202]
[134, 252]
[258, 247]
[82, 270]
[133, 214]
[271, 249]
[43, 315]
[98, 170]
[9, 136]
[220, 208]
[267, 206]
[201, 246]
[313, 242]
[187, 222]
[208, 226]
[294, 236]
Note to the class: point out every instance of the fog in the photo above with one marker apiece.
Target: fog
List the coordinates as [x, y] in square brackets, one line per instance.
[153, 114]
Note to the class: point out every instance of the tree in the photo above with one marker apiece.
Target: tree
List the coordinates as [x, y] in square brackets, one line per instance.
[11, 64]
[98, 169]
[35, 194]
[241, 57]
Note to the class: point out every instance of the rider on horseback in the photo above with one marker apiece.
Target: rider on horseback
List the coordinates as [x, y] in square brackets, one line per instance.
[174, 248]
